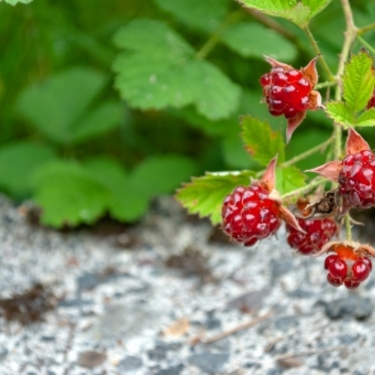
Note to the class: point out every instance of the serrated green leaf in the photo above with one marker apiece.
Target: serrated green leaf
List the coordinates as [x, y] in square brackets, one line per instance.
[14, 2]
[367, 118]
[202, 15]
[54, 105]
[340, 113]
[358, 81]
[164, 75]
[261, 141]
[162, 174]
[102, 119]
[244, 39]
[205, 195]
[289, 179]
[68, 195]
[297, 11]
[18, 161]
[126, 202]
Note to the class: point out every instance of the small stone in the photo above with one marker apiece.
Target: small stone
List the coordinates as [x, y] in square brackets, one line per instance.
[301, 293]
[280, 267]
[47, 338]
[251, 301]
[274, 371]
[174, 370]
[353, 306]
[91, 359]
[158, 353]
[209, 362]
[130, 363]
[286, 322]
[347, 339]
[212, 322]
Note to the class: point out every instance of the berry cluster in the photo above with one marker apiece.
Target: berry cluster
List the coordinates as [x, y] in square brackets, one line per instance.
[317, 233]
[286, 91]
[347, 266]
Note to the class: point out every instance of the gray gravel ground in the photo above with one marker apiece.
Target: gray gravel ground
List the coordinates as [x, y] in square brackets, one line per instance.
[120, 304]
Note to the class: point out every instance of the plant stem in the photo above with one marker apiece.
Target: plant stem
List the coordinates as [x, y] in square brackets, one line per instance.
[312, 184]
[216, 36]
[365, 29]
[325, 84]
[348, 227]
[307, 153]
[315, 46]
[367, 45]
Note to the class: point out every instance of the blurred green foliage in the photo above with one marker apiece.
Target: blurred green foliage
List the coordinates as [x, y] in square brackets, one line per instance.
[105, 105]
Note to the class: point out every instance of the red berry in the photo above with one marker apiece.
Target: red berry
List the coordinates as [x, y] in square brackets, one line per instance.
[286, 91]
[329, 260]
[334, 282]
[361, 269]
[351, 284]
[318, 233]
[357, 179]
[371, 102]
[338, 269]
[249, 215]
[368, 262]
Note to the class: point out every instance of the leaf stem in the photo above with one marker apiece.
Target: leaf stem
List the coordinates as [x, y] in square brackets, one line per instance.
[348, 227]
[315, 46]
[366, 28]
[216, 36]
[313, 183]
[325, 84]
[367, 45]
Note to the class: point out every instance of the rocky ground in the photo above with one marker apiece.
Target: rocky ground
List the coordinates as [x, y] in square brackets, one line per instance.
[170, 297]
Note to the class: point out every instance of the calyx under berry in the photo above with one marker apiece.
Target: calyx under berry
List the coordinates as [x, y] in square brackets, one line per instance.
[290, 92]
[251, 213]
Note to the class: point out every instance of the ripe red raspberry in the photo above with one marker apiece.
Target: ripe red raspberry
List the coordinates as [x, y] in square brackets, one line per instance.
[290, 92]
[349, 265]
[249, 215]
[357, 179]
[318, 233]
[371, 102]
[286, 91]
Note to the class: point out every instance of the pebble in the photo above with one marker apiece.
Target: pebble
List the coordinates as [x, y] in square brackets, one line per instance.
[208, 362]
[352, 306]
[91, 359]
[174, 370]
[130, 363]
[250, 301]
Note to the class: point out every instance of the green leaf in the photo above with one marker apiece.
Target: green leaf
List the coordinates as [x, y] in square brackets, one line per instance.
[18, 161]
[166, 73]
[244, 39]
[68, 195]
[358, 81]
[289, 179]
[261, 141]
[205, 195]
[126, 201]
[54, 105]
[14, 2]
[162, 174]
[101, 120]
[340, 113]
[202, 15]
[367, 118]
[297, 11]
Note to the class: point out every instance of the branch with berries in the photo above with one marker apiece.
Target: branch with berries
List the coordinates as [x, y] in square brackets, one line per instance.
[251, 206]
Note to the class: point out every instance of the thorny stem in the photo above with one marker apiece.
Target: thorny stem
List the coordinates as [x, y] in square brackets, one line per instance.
[315, 46]
[367, 45]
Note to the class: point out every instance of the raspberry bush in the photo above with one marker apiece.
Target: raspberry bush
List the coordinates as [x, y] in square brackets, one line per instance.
[252, 205]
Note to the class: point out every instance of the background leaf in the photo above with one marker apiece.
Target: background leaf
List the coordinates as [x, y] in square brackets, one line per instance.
[203, 15]
[53, 106]
[289, 179]
[205, 195]
[161, 72]
[297, 11]
[261, 141]
[18, 161]
[244, 38]
[68, 195]
[14, 2]
[358, 81]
